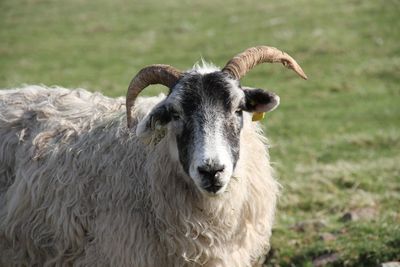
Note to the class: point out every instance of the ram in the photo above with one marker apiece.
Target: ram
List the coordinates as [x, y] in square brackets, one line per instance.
[180, 180]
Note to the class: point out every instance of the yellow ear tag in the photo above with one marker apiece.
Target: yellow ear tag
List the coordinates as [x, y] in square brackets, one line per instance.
[257, 116]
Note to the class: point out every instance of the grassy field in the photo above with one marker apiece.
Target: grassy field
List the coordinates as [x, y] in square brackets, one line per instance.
[335, 138]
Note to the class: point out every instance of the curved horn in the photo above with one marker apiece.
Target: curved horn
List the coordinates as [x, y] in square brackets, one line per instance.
[154, 74]
[239, 65]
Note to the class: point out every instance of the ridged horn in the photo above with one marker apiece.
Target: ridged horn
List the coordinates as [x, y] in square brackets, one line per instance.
[239, 65]
[153, 74]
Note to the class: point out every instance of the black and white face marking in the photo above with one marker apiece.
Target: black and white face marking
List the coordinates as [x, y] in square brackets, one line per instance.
[208, 144]
[205, 111]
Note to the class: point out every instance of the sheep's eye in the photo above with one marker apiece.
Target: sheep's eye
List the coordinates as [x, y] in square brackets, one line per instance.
[239, 112]
[175, 116]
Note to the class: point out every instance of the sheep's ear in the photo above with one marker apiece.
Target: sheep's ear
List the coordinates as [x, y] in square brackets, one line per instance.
[156, 120]
[259, 100]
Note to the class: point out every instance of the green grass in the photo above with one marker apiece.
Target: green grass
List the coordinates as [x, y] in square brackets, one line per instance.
[335, 138]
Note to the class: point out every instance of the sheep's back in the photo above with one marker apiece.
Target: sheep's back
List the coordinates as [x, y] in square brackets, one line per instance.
[34, 115]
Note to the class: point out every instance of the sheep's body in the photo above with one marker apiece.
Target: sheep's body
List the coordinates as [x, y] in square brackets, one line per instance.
[77, 187]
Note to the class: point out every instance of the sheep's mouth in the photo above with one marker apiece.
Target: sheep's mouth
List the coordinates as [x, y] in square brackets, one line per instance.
[213, 188]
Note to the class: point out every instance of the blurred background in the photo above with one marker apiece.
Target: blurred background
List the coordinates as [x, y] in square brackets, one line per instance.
[335, 139]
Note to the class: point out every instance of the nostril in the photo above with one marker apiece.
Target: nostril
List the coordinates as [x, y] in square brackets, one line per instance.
[219, 168]
[203, 170]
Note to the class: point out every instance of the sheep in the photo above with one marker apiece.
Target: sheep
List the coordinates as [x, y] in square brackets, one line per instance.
[181, 179]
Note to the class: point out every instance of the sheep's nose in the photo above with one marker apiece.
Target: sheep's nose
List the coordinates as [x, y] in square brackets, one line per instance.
[211, 176]
[211, 171]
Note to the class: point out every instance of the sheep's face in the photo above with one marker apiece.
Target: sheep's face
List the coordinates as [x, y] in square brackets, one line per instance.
[205, 114]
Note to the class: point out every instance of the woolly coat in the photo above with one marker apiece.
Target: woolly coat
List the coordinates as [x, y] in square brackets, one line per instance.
[78, 188]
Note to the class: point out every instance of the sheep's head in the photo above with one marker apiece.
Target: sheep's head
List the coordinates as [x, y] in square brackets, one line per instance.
[204, 111]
